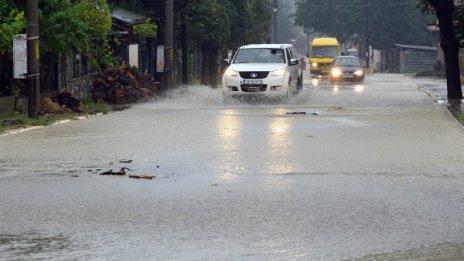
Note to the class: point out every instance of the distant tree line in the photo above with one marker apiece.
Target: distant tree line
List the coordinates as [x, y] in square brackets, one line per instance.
[84, 26]
[381, 22]
[211, 28]
[206, 29]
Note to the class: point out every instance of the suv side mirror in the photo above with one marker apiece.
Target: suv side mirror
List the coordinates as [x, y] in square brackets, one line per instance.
[227, 61]
[294, 61]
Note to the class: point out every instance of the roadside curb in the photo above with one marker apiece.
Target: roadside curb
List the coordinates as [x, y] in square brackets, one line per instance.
[29, 128]
[455, 110]
[438, 98]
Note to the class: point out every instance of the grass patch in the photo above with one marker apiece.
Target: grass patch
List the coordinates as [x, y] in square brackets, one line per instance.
[93, 107]
[16, 120]
[461, 117]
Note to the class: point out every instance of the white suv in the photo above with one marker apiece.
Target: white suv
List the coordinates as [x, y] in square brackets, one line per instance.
[263, 69]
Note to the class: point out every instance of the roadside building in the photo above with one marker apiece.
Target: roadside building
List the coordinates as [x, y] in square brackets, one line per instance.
[409, 59]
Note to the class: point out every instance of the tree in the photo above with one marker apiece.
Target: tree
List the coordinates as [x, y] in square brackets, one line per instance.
[69, 28]
[209, 26]
[387, 21]
[445, 11]
[459, 23]
[62, 29]
[12, 22]
[96, 16]
[251, 21]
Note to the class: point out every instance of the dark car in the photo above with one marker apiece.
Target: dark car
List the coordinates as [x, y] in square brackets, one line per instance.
[346, 68]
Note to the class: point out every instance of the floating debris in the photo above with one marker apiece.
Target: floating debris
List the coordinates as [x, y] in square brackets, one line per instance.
[334, 108]
[297, 112]
[141, 177]
[301, 113]
[125, 161]
[121, 172]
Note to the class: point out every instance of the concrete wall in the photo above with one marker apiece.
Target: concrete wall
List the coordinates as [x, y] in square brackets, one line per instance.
[81, 87]
[418, 60]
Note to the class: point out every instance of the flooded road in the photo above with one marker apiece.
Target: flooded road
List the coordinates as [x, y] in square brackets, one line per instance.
[373, 171]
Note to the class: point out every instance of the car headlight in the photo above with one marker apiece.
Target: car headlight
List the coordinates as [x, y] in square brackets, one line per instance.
[336, 72]
[278, 72]
[314, 64]
[358, 73]
[230, 72]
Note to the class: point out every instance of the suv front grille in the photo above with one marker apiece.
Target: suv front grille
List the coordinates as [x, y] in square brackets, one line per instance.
[259, 75]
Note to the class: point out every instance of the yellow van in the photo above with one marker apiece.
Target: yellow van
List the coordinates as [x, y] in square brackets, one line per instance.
[322, 53]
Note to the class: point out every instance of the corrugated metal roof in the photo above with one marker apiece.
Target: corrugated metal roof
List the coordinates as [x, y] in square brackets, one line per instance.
[128, 17]
[417, 47]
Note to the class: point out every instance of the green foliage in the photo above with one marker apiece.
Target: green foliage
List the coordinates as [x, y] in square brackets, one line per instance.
[12, 22]
[148, 29]
[250, 21]
[91, 107]
[62, 29]
[68, 28]
[461, 117]
[222, 23]
[96, 15]
[208, 23]
[459, 18]
[389, 21]
[426, 6]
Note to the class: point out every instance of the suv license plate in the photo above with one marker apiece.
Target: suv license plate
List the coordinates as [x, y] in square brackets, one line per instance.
[252, 81]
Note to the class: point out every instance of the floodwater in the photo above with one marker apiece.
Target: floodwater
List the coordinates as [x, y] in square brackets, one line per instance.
[372, 171]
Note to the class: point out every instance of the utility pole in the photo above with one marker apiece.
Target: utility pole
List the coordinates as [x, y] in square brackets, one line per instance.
[366, 41]
[33, 104]
[275, 8]
[184, 44]
[169, 44]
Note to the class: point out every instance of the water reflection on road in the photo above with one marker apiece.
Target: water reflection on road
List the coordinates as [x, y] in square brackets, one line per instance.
[365, 172]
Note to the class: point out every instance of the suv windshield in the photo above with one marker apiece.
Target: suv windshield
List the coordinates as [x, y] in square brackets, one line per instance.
[324, 51]
[260, 55]
[347, 62]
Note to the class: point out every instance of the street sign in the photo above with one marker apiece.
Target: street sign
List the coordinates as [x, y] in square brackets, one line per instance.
[160, 59]
[20, 56]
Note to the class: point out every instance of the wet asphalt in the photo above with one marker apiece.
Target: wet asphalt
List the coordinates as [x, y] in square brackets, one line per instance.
[369, 171]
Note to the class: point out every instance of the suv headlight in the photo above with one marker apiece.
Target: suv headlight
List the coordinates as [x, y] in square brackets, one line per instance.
[336, 72]
[358, 73]
[278, 72]
[230, 72]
